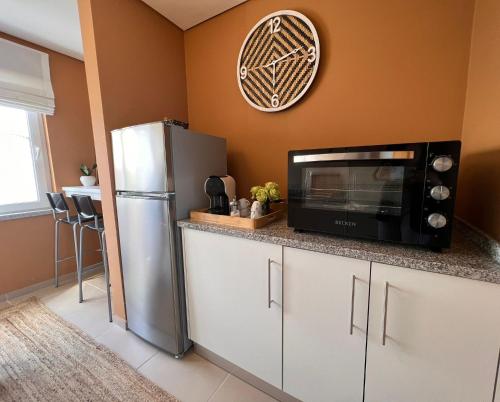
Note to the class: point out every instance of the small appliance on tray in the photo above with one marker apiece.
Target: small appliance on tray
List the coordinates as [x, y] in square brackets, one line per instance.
[220, 191]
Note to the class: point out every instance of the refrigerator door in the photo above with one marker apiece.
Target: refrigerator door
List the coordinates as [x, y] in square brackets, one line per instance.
[142, 159]
[147, 241]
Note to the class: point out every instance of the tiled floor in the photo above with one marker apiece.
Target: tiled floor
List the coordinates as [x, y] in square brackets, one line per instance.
[192, 379]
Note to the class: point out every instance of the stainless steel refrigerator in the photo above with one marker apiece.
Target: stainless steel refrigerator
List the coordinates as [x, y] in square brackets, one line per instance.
[160, 170]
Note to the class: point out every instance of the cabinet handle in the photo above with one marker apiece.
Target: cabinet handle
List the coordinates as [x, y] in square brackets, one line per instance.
[384, 331]
[269, 300]
[351, 327]
[496, 377]
[269, 283]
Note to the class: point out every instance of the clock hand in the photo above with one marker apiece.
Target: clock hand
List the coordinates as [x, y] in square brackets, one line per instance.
[282, 57]
[286, 55]
[273, 63]
[270, 64]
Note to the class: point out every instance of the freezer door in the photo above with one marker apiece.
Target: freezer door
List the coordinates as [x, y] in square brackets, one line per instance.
[195, 157]
[141, 157]
[149, 270]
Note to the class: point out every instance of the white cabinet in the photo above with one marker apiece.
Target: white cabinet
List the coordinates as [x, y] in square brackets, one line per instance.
[322, 359]
[442, 337]
[233, 291]
[284, 315]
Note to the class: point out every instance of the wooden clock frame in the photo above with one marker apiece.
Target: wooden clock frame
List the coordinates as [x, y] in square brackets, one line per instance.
[269, 19]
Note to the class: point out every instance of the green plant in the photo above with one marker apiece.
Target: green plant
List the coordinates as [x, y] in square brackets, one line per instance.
[269, 192]
[86, 170]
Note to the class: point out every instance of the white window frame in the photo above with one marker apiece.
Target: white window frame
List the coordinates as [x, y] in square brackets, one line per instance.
[40, 158]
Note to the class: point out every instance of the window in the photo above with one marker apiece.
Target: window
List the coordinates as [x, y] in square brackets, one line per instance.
[24, 170]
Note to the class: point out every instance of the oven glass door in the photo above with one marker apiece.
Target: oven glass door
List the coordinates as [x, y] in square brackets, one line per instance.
[373, 193]
[373, 190]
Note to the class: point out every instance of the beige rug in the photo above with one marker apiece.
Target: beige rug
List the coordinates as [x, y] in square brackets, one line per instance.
[43, 358]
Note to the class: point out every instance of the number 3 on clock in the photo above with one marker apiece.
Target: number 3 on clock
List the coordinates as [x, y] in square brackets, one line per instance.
[312, 54]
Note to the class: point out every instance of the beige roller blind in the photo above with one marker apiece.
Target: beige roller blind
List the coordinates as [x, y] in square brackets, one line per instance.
[25, 78]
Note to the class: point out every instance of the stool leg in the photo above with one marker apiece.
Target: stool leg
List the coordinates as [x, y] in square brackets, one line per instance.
[106, 273]
[75, 241]
[80, 266]
[56, 253]
[100, 242]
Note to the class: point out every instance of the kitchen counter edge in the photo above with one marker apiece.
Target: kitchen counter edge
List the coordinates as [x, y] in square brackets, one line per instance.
[465, 259]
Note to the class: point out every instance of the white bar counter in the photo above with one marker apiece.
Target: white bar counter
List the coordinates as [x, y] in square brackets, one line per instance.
[93, 191]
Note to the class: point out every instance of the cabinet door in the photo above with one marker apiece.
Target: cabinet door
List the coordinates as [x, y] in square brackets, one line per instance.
[442, 336]
[229, 285]
[322, 359]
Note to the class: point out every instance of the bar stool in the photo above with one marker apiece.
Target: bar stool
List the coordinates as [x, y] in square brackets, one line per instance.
[59, 206]
[88, 218]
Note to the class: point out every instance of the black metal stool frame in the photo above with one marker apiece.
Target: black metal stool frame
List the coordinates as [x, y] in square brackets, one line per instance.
[90, 219]
[59, 206]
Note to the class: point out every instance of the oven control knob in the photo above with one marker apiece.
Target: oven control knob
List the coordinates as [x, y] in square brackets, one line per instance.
[442, 163]
[440, 193]
[437, 221]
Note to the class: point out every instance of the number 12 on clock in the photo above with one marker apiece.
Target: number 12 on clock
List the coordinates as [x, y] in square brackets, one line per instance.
[274, 25]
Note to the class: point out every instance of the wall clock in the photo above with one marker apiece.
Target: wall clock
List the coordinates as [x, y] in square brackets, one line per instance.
[278, 61]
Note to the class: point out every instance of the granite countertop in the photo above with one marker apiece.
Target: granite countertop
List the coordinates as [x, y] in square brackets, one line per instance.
[467, 258]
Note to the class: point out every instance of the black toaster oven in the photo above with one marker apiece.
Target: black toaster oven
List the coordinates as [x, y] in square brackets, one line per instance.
[402, 193]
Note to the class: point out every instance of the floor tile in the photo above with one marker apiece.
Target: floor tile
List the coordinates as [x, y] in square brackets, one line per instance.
[94, 321]
[97, 281]
[65, 301]
[91, 315]
[233, 389]
[128, 346]
[191, 379]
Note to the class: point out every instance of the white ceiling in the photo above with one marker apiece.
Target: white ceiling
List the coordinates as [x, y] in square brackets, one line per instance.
[55, 23]
[50, 23]
[188, 13]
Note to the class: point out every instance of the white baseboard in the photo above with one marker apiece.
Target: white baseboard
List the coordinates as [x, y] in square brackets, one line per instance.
[63, 279]
[243, 374]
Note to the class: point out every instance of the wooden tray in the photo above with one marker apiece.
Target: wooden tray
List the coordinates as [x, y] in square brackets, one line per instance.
[277, 211]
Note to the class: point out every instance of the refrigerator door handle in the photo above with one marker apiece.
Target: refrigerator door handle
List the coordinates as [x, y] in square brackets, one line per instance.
[162, 197]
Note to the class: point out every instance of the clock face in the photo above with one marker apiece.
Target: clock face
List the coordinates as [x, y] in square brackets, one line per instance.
[278, 61]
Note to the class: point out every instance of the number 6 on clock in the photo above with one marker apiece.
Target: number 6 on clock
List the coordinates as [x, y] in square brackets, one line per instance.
[275, 102]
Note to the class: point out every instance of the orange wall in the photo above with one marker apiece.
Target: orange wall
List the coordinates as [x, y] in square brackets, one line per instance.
[70, 129]
[479, 186]
[389, 72]
[26, 245]
[136, 74]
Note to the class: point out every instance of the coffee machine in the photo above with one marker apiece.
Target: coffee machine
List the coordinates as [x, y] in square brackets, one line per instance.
[221, 191]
